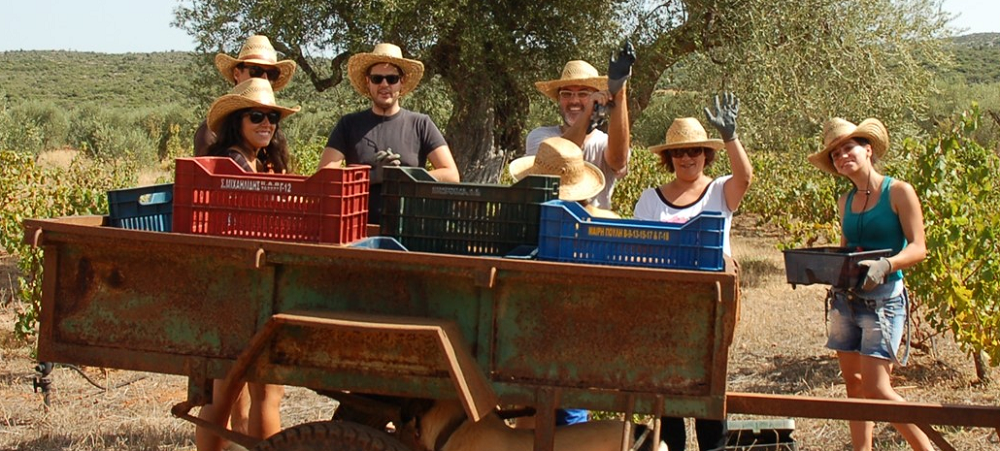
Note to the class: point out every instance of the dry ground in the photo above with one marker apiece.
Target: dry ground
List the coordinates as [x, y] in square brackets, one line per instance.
[778, 349]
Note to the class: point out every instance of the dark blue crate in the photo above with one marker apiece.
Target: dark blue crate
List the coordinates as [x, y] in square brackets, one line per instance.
[569, 234]
[143, 208]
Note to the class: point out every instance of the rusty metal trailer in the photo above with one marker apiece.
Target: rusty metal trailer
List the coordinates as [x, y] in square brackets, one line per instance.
[486, 331]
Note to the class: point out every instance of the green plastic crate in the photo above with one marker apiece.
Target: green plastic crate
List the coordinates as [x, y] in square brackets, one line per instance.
[425, 215]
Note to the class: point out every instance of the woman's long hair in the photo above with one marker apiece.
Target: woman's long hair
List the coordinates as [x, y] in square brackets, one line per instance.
[274, 157]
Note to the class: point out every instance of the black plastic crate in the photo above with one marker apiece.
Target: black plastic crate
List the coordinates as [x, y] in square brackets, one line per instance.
[761, 435]
[143, 208]
[462, 218]
[836, 266]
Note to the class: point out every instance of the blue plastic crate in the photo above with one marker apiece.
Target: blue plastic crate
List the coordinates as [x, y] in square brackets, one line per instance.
[569, 234]
[143, 208]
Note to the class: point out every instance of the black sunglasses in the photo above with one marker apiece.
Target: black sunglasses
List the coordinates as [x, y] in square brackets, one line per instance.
[258, 116]
[691, 152]
[258, 72]
[377, 79]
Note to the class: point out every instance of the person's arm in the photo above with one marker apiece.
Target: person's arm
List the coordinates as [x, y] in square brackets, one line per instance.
[723, 117]
[911, 217]
[445, 169]
[331, 158]
[203, 139]
[619, 145]
[737, 185]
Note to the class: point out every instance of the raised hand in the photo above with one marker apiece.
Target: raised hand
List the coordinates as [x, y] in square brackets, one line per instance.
[620, 68]
[383, 158]
[724, 116]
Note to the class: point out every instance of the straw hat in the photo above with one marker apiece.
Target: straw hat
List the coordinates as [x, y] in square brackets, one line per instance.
[257, 50]
[574, 73]
[687, 132]
[837, 130]
[578, 179]
[252, 93]
[358, 64]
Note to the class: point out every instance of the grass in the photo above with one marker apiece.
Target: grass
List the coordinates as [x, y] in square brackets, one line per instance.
[778, 348]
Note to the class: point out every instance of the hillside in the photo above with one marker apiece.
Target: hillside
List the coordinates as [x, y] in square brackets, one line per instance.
[977, 57]
[144, 79]
[112, 80]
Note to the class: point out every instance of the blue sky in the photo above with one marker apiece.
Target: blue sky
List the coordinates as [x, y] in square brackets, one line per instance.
[120, 26]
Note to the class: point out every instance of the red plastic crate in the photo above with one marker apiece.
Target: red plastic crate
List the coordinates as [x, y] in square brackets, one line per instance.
[214, 196]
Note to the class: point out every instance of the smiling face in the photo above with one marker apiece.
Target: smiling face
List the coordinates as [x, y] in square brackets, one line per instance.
[571, 102]
[384, 94]
[851, 156]
[258, 135]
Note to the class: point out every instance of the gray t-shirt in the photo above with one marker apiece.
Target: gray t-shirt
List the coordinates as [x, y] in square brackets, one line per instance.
[593, 151]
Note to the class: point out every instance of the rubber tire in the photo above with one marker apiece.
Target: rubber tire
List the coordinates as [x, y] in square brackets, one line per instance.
[331, 436]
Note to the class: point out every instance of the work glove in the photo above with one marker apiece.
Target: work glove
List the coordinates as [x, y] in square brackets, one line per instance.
[383, 158]
[877, 270]
[724, 116]
[619, 70]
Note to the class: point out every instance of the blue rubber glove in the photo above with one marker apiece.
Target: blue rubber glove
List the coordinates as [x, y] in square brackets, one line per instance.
[724, 116]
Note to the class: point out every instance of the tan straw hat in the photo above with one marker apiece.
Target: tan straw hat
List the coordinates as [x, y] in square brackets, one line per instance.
[837, 130]
[252, 93]
[685, 133]
[578, 179]
[259, 51]
[358, 65]
[574, 73]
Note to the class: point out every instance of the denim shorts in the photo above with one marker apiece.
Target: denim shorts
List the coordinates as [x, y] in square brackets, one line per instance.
[869, 323]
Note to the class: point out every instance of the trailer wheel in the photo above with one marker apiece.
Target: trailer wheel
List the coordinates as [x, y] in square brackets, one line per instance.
[331, 436]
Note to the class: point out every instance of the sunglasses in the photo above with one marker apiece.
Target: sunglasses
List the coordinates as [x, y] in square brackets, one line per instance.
[257, 117]
[580, 95]
[691, 152]
[258, 72]
[376, 79]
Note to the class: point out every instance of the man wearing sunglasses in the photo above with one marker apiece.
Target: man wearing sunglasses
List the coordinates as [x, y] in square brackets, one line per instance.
[387, 134]
[257, 59]
[578, 92]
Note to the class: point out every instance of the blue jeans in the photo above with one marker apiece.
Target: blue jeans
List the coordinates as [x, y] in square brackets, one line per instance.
[869, 323]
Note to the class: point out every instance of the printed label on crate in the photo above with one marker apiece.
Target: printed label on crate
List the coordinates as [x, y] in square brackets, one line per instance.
[456, 191]
[617, 232]
[265, 186]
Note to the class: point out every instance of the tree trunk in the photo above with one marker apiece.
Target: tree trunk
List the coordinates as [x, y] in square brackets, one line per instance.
[982, 368]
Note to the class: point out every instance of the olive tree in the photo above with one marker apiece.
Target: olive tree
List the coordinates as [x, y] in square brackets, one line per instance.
[793, 63]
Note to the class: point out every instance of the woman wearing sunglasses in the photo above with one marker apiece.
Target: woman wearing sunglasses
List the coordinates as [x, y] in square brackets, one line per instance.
[257, 59]
[245, 122]
[687, 152]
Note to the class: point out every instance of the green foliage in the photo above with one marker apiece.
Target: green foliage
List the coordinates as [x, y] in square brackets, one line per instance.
[796, 64]
[959, 282]
[977, 57]
[31, 191]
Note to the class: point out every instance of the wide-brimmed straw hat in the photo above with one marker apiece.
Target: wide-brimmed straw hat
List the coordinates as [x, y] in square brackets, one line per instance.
[259, 51]
[838, 130]
[358, 64]
[574, 73]
[685, 133]
[252, 93]
[578, 179]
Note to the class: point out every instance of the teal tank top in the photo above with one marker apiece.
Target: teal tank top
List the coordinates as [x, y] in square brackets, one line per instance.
[876, 228]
